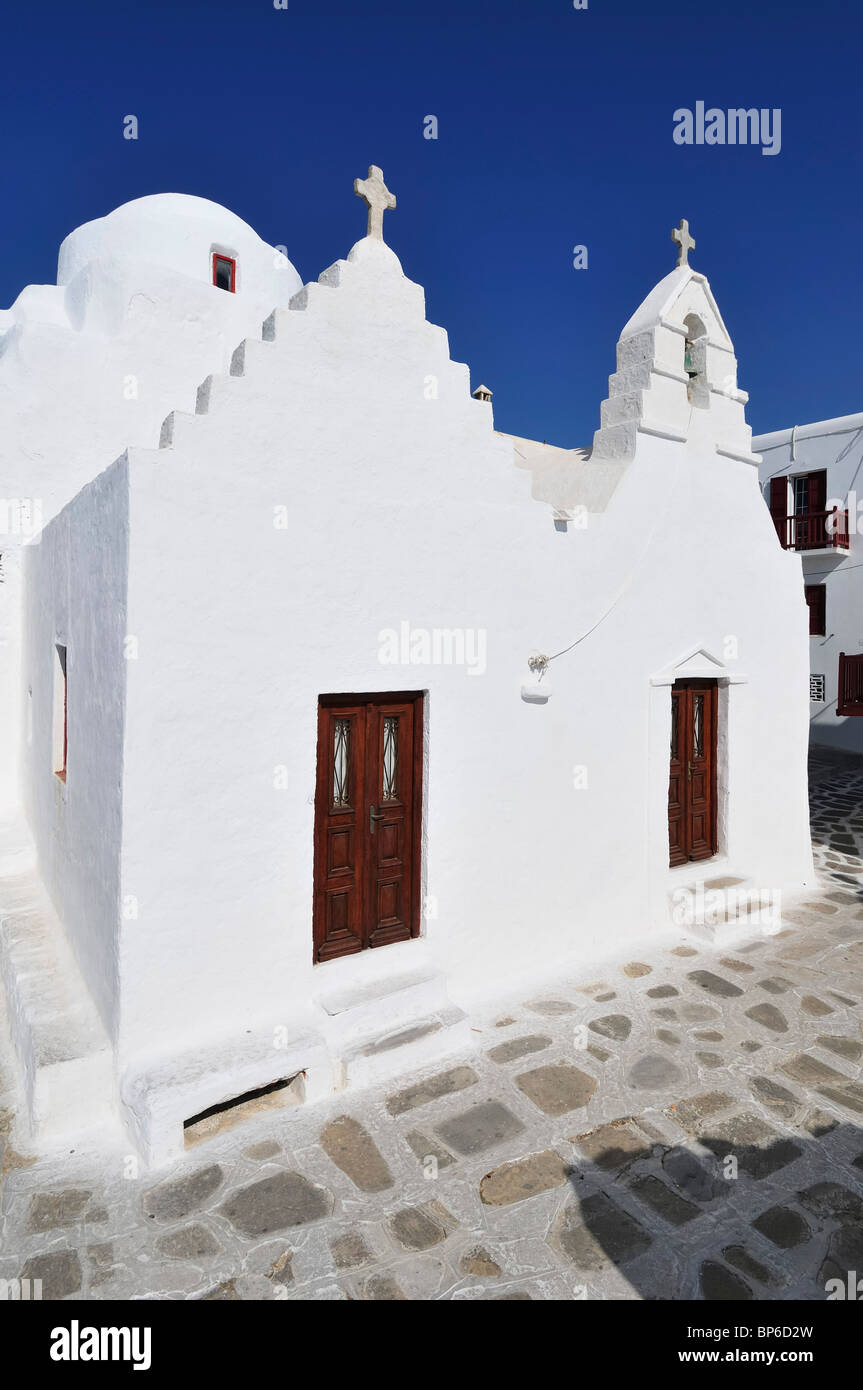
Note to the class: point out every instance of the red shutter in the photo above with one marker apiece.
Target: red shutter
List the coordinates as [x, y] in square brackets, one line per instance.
[818, 491]
[816, 599]
[779, 507]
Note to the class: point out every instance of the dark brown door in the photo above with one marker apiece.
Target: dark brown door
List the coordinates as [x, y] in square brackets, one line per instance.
[368, 808]
[692, 778]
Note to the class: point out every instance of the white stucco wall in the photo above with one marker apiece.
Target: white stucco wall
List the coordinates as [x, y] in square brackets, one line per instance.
[837, 446]
[75, 595]
[10, 679]
[96, 362]
[404, 508]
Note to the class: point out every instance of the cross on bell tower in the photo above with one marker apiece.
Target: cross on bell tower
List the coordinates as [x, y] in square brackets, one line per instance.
[378, 197]
[685, 242]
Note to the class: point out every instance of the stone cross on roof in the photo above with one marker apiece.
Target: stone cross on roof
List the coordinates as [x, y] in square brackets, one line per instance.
[685, 242]
[378, 197]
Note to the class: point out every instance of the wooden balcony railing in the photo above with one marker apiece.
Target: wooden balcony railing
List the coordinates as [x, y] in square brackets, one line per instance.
[850, 697]
[814, 530]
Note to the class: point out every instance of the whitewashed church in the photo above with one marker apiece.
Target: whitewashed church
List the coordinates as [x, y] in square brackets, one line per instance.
[326, 709]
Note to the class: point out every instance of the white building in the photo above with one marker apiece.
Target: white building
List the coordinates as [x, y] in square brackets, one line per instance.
[302, 657]
[812, 479]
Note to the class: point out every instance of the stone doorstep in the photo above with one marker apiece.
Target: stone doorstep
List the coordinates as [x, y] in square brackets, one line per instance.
[375, 1007]
[734, 924]
[730, 930]
[421, 1042]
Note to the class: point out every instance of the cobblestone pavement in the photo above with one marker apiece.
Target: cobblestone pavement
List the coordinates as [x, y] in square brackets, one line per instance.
[681, 1125]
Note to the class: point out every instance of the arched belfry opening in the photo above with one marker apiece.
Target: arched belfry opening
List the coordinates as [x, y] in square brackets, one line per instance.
[695, 361]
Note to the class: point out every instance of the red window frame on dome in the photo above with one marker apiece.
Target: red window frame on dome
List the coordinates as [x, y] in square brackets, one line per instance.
[232, 264]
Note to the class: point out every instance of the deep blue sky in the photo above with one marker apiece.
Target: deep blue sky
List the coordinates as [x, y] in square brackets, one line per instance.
[555, 128]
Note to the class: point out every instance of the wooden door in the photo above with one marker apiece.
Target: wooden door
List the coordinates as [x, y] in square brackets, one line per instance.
[368, 809]
[692, 772]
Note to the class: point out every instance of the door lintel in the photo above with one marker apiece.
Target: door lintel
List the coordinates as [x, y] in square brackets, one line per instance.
[698, 664]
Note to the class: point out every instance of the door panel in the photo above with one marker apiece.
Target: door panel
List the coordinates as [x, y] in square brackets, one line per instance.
[676, 792]
[368, 807]
[339, 806]
[692, 772]
[390, 792]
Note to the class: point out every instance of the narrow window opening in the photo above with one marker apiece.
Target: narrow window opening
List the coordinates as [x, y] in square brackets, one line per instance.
[695, 361]
[288, 1090]
[224, 272]
[60, 739]
[816, 600]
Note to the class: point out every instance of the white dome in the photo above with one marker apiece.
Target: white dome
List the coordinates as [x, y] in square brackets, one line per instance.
[180, 232]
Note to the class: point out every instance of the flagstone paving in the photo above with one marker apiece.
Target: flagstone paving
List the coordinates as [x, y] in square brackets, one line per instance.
[701, 1137]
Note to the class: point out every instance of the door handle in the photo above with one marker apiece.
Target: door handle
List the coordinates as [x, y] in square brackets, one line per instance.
[373, 816]
[689, 771]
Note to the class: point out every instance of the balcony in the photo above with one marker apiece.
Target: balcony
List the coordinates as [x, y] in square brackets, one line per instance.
[814, 530]
[850, 695]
